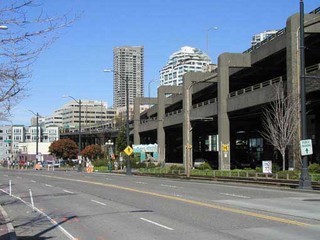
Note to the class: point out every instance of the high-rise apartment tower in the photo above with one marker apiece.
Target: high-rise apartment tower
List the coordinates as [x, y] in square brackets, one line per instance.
[128, 65]
[187, 59]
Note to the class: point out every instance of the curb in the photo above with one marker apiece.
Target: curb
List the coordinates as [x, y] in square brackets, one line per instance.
[11, 232]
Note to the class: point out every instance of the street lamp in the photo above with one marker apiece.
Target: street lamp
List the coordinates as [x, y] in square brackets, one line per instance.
[188, 128]
[207, 37]
[304, 182]
[37, 133]
[79, 142]
[128, 169]
[3, 27]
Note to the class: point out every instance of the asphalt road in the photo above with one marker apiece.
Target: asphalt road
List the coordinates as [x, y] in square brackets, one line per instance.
[72, 205]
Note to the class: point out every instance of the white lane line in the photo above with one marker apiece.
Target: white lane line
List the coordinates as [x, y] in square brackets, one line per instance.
[55, 224]
[18, 177]
[6, 175]
[141, 182]
[170, 186]
[157, 224]
[99, 202]
[48, 185]
[32, 181]
[68, 191]
[234, 195]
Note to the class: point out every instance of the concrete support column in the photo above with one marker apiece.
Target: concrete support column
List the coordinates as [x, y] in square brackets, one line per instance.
[161, 137]
[225, 61]
[293, 80]
[162, 101]
[136, 121]
[186, 126]
[293, 71]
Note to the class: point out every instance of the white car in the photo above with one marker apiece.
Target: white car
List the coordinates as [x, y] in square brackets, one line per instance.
[198, 161]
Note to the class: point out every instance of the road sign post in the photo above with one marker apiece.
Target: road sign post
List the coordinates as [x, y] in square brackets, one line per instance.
[306, 147]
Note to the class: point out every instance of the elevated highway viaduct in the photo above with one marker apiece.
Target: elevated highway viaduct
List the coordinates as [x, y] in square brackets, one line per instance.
[186, 120]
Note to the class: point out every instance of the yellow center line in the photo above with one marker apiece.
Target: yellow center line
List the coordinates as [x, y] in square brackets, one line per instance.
[197, 203]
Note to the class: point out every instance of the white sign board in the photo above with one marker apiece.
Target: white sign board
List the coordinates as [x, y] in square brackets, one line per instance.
[267, 166]
[306, 147]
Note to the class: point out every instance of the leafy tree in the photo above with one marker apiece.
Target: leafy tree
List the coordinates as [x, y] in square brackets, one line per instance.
[64, 148]
[121, 141]
[280, 122]
[92, 151]
[24, 35]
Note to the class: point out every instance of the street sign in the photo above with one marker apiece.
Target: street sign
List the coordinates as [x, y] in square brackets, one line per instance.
[306, 147]
[8, 141]
[267, 166]
[225, 147]
[128, 150]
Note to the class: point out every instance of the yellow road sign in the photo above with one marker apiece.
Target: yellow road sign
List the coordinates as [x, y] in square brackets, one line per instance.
[225, 147]
[128, 150]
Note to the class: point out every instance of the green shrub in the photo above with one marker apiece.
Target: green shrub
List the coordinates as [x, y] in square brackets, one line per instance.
[292, 174]
[314, 168]
[275, 168]
[176, 167]
[100, 162]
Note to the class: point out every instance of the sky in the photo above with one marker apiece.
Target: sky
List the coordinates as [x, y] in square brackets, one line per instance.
[73, 65]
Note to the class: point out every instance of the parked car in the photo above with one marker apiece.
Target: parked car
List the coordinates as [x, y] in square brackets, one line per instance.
[50, 163]
[198, 161]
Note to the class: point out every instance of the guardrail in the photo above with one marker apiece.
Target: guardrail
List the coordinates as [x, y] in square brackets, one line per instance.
[313, 68]
[255, 87]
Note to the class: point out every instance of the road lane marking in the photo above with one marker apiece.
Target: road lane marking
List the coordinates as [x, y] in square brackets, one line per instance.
[157, 224]
[48, 185]
[68, 191]
[19, 177]
[234, 195]
[55, 224]
[189, 201]
[169, 186]
[6, 175]
[101, 203]
[141, 182]
[32, 181]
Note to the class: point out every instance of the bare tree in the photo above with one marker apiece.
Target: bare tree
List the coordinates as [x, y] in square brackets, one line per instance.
[23, 37]
[280, 121]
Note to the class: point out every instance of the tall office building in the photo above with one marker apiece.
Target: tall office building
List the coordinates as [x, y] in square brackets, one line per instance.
[187, 59]
[128, 65]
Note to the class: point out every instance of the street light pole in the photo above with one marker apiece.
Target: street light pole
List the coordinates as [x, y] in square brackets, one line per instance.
[128, 169]
[79, 141]
[304, 182]
[37, 132]
[207, 37]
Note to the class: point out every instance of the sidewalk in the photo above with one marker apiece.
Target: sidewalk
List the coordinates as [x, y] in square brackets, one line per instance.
[6, 229]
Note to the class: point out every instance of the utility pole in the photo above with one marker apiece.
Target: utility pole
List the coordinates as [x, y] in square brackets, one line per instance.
[305, 182]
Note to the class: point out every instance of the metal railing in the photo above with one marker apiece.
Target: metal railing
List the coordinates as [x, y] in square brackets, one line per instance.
[255, 87]
[313, 68]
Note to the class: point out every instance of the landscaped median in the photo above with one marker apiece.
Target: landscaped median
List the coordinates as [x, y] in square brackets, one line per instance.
[289, 178]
